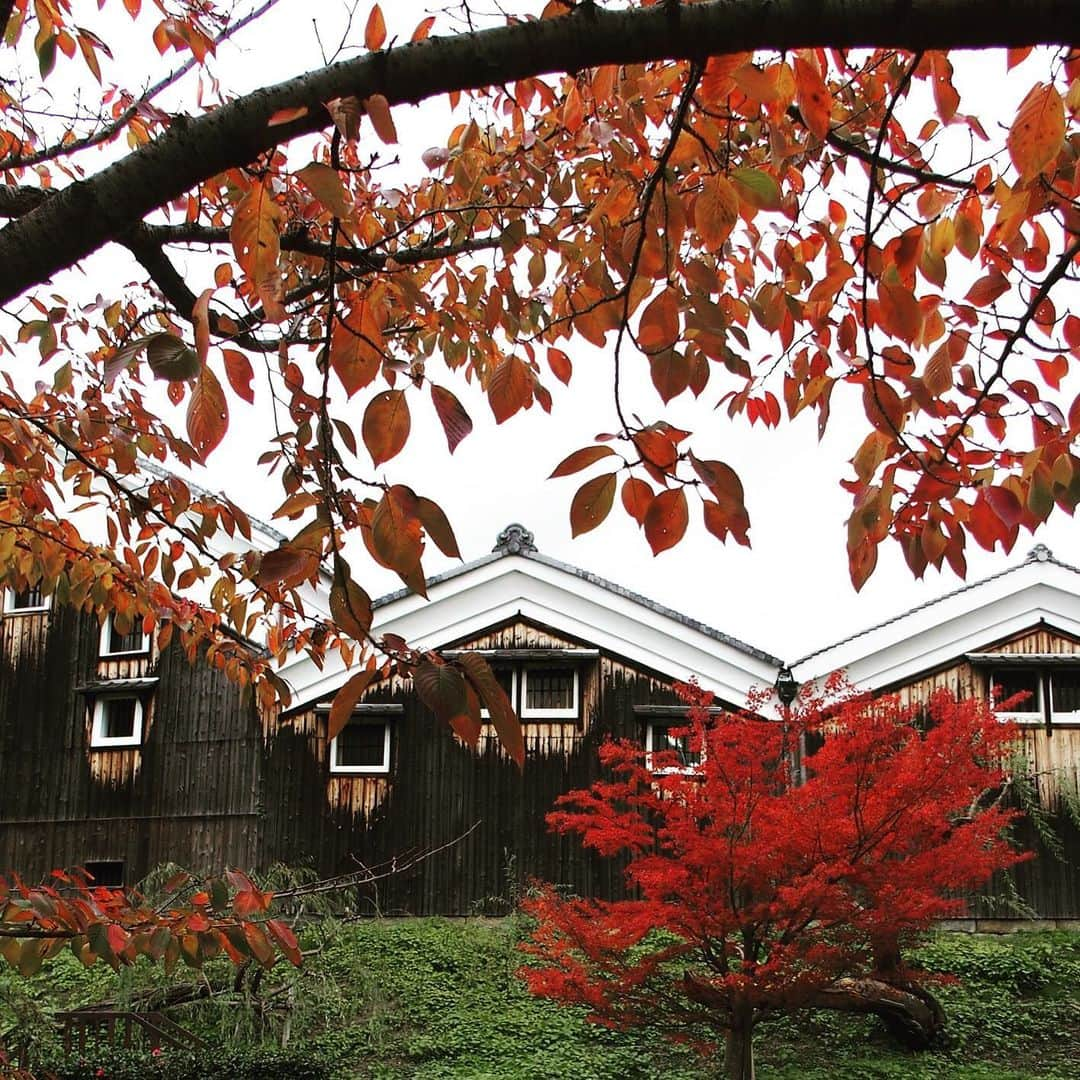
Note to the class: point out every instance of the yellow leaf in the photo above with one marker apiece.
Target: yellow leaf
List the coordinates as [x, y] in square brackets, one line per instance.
[325, 184]
[1038, 132]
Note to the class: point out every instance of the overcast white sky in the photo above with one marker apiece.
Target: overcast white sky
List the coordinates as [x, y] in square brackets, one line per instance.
[789, 594]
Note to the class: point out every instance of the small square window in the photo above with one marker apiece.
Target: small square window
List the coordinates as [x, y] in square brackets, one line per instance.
[659, 739]
[1008, 682]
[1065, 694]
[24, 600]
[118, 721]
[116, 643]
[108, 874]
[362, 747]
[549, 693]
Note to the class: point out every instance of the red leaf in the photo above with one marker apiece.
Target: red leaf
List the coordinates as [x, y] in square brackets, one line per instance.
[592, 503]
[345, 700]
[987, 289]
[636, 497]
[437, 526]
[239, 372]
[200, 320]
[453, 417]
[666, 520]
[386, 425]
[581, 459]
[560, 365]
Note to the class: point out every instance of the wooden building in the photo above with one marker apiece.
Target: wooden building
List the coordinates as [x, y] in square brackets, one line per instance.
[1015, 632]
[118, 758]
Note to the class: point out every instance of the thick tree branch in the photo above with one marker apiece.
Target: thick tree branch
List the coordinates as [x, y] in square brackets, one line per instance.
[88, 214]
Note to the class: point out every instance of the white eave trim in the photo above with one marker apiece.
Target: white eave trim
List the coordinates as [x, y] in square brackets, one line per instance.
[508, 588]
[969, 621]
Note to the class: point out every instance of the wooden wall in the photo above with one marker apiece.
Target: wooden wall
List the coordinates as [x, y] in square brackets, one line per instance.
[438, 790]
[1050, 884]
[190, 793]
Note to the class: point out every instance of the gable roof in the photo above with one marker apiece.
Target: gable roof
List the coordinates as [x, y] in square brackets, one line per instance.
[1040, 590]
[516, 581]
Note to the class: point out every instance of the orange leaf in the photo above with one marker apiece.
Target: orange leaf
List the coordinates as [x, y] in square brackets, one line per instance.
[345, 700]
[386, 425]
[592, 503]
[1038, 132]
[671, 371]
[378, 109]
[666, 520]
[208, 414]
[423, 28]
[716, 210]
[659, 328]
[899, 312]
[255, 234]
[284, 116]
[453, 417]
[325, 184]
[200, 319]
[510, 388]
[350, 605]
[375, 31]
[812, 97]
[356, 347]
[581, 459]
[396, 535]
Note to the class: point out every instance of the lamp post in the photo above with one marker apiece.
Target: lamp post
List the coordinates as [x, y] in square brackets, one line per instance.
[787, 690]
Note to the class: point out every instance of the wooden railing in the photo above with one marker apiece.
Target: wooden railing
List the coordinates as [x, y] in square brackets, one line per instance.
[91, 1028]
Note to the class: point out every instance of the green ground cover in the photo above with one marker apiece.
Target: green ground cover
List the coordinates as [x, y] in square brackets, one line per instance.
[434, 999]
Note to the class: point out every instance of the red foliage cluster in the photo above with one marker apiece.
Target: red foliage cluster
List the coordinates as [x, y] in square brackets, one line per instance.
[756, 888]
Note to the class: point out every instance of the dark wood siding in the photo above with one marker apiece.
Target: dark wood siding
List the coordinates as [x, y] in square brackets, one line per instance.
[1049, 884]
[189, 794]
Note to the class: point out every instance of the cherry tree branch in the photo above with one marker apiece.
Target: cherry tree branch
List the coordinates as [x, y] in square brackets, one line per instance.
[87, 214]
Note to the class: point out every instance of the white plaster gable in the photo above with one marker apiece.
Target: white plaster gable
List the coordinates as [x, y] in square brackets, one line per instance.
[517, 582]
[1041, 590]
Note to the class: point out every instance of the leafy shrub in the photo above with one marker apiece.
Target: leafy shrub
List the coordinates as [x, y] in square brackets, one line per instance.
[258, 1063]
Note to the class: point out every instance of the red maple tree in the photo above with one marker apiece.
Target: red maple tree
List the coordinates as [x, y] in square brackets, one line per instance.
[758, 887]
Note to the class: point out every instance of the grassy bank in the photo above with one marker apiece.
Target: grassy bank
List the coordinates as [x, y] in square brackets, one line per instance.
[433, 999]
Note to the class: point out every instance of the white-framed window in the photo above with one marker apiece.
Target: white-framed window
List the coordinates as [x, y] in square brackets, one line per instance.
[1062, 683]
[659, 739]
[114, 643]
[117, 720]
[23, 601]
[363, 746]
[549, 692]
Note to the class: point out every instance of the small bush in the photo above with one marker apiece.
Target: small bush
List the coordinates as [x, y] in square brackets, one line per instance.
[226, 1064]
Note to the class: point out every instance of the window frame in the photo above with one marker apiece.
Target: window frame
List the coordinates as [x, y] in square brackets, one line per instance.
[383, 769]
[1042, 711]
[539, 715]
[10, 596]
[689, 769]
[105, 640]
[100, 741]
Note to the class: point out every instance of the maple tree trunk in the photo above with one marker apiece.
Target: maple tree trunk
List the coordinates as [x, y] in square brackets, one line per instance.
[739, 1049]
[911, 1013]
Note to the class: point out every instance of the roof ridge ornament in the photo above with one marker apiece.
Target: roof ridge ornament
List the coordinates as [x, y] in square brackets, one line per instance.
[515, 539]
[1039, 553]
